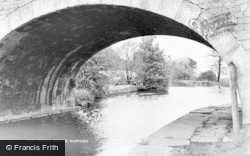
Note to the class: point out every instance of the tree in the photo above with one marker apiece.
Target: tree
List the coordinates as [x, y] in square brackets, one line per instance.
[183, 69]
[127, 50]
[154, 70]
[207, 75]
[109, 59]
[217, 64]
[91, 79]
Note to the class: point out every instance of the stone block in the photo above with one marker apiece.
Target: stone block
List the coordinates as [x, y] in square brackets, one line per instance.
[73, 3]
[247, 26]
[248, 52]
[49, 6]
[82, 2]
[15, 20]
[243, 35]
[175, 131]
[4, 13]
[21, 3]
[208, 125]
[187, 12]
[136, 4]
[243, 84]
[9, 5]
[61, 4]
[169, 8]
[223, 122]
[245, 113]
[245, 44]
[26, 13]
[241, 61]
[4, 28]
[37, 7]
[239, 27]
[245, 19]
[94, 2]
[212, 120]
[211, 134]
[203, 111]
[224, 44]
[226, 117]
[108, 2]
[150, 5]
[168, 142]
[247, 12]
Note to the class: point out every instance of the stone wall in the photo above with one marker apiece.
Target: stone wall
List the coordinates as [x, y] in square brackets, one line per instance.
[225, 24]
[242, 31]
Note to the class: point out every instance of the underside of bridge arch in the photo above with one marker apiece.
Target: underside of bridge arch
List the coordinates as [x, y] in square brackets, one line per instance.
[33, 56]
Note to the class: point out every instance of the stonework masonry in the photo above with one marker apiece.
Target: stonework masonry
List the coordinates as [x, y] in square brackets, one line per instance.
[225, 24]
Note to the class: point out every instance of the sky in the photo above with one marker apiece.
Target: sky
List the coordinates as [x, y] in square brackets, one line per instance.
[178, 47]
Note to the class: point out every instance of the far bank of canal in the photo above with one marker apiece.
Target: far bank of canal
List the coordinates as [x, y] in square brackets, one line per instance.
[116, 124]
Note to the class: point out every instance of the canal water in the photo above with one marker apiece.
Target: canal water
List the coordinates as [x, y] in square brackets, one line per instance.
[115, 125]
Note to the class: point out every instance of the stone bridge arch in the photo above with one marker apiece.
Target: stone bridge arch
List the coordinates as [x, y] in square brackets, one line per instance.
[38, 44]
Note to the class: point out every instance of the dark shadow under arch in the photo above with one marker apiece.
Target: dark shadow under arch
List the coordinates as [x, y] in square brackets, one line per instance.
[38, 52]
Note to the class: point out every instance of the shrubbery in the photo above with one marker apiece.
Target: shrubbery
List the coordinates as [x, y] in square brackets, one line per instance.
[90, 82]
[154, 71]
[207, 75]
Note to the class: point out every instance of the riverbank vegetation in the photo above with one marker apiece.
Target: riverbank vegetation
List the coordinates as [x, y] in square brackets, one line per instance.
[142, 64]
[155, 68]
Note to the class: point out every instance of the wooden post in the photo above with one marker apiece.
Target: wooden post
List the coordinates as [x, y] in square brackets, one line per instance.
[233, 88]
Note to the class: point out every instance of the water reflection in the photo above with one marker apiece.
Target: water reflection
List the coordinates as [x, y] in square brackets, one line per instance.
[114, 125]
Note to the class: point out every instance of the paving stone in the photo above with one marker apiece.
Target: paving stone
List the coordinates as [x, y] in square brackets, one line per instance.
[189, 128]
[208, 125]
[183, 128]
[203, 111]
[223, 122]
[224, 111]
[175, 131]
[192, 119]
[212, 120]
[212, 134]
[168, 142]
[226, 117]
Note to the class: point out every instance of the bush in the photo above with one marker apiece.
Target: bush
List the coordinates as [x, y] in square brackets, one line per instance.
[82, 95]
[91, 79]
[207, 75]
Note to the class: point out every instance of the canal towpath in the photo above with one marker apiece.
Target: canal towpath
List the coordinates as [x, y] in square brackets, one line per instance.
[202, 126]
